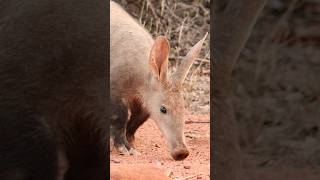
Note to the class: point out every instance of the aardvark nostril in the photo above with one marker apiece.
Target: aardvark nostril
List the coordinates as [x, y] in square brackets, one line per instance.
[180, 154]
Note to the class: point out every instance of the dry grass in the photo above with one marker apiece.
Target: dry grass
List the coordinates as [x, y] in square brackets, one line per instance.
[184, 23]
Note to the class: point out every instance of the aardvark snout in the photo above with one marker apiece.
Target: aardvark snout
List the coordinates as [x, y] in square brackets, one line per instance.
[180, 153]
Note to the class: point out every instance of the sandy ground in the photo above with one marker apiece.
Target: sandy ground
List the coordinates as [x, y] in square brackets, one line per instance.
[152, 146]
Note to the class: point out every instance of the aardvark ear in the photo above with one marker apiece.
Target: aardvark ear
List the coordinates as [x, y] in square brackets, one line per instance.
[187, 62]
[158, 59]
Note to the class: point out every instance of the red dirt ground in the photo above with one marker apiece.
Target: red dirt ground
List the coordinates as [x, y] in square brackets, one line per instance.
[152, 146]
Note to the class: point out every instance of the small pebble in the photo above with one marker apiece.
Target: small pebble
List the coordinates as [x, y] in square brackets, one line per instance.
[169, 173]
[186, 167]
[159, 163]
[192, 136]
[156, 145]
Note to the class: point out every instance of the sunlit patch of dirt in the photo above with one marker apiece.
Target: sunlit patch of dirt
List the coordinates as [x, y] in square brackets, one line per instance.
[152, 146]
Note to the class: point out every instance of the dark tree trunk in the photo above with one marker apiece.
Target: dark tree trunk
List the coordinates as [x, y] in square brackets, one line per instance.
[231, 26]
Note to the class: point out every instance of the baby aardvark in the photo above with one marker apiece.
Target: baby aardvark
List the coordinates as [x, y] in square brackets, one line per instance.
[140, 84]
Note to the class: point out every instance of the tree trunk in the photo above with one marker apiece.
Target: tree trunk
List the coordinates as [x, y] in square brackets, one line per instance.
[231, 26]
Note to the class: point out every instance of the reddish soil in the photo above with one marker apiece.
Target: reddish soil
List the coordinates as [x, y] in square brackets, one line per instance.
[154, 152]
[134, 172]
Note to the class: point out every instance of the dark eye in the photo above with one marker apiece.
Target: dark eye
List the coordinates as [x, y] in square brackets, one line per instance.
[163, 109]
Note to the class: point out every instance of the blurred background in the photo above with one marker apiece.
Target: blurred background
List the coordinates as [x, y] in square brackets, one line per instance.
[277, 87]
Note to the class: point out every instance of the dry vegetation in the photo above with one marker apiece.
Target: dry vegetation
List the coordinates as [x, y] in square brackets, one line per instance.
[184, 23]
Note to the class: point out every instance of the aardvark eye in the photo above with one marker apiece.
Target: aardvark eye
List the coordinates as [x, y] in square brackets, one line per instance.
[163, 109]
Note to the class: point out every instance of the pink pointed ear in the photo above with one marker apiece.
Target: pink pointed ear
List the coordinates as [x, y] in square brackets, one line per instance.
[158, 59]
